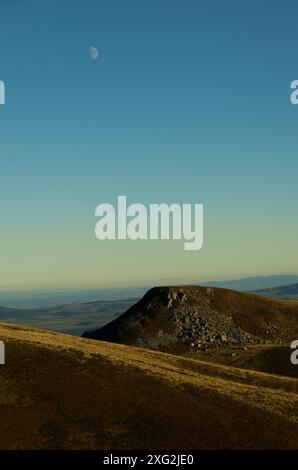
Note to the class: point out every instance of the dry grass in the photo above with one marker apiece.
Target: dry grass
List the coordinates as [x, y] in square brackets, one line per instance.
[64, 392]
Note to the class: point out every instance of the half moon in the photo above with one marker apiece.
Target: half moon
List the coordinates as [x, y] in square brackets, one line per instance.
[93, 53]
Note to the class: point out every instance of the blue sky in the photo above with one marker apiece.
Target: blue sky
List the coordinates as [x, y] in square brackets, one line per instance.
[188, 102]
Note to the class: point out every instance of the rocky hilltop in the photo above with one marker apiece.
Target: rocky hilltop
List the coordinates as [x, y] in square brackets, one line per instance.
[179, 319]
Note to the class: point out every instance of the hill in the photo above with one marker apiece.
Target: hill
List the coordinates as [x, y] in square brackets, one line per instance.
[289, 292]
[180, 320]
[64, 392]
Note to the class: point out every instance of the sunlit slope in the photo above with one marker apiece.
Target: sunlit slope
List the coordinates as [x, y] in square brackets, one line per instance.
[64, 392]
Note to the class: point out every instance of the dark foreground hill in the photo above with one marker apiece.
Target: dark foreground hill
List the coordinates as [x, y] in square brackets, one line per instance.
[64, 392]
[185, 319]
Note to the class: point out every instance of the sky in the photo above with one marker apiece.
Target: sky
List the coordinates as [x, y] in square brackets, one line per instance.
[188, 102]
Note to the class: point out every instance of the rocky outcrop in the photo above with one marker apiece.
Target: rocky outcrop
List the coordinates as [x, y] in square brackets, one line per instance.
[203, 328]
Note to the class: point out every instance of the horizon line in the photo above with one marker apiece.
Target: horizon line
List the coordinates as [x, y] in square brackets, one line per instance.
[139, 285]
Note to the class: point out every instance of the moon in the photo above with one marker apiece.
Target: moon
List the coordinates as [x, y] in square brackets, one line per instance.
[93, 53]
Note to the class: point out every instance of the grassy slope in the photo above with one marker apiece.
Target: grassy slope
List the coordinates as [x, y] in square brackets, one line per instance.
[271, 358]
[59, 391]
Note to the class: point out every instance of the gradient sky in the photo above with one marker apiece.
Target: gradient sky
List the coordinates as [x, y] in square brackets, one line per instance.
[189, 101]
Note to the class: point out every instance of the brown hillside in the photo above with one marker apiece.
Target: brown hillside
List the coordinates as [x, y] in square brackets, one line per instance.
[64, 392]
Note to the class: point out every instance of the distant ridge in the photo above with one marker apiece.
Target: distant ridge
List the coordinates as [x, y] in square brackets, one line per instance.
[254, 283]
[40, 298]
[288, 292]
[68, 318]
